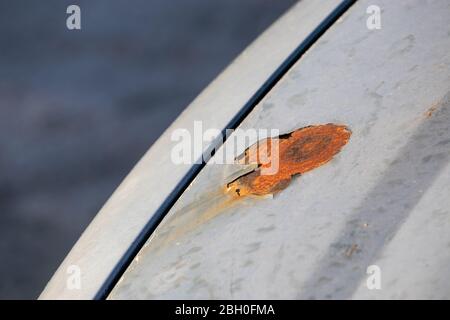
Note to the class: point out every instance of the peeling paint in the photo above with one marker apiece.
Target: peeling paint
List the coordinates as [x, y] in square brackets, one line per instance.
[297, 153]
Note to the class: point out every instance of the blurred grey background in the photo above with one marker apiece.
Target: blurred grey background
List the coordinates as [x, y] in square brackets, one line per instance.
[79, 108]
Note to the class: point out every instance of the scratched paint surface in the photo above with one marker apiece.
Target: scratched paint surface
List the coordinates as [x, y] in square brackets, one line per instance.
[383, 199]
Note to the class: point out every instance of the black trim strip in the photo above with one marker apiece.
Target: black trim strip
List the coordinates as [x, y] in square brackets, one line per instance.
[159, 215]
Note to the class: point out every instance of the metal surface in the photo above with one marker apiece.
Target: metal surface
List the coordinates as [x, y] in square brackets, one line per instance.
[146, 191]
[383, 200]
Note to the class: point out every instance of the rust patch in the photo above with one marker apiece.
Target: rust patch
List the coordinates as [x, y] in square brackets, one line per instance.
[297, 153]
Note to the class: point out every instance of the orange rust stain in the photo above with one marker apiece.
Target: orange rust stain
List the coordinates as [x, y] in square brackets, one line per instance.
[296, 153]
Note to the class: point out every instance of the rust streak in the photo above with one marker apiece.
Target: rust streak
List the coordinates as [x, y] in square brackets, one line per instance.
[297, 153]
[429, 113]
[350, 251]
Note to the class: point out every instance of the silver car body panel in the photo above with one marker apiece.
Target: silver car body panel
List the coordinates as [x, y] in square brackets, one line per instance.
[383, 202]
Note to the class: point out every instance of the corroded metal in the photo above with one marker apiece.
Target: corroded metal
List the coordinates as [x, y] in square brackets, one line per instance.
[295, 153]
